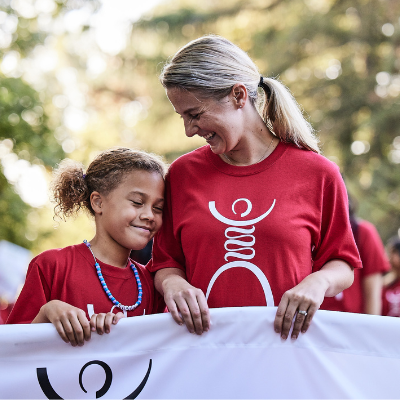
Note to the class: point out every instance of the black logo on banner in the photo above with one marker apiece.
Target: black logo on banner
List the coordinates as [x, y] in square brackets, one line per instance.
[50, 393]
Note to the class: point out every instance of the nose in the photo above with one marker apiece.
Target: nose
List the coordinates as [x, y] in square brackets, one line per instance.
[190, 128]
[147, 213]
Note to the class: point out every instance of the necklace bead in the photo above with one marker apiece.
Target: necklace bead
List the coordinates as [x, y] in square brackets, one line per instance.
[107, 290]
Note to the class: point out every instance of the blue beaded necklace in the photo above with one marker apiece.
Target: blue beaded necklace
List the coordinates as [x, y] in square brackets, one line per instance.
[107, 290]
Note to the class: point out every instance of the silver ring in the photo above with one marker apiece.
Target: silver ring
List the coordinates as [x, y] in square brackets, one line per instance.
[302, 313]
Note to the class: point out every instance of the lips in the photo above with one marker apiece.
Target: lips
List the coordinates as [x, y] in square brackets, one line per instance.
[145, 228]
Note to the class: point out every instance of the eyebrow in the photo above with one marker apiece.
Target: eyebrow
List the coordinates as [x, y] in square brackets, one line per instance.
[144, 195]
[189, 110]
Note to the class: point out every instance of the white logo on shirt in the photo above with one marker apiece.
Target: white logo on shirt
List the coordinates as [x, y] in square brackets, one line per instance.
[239, 246]
[393, 298]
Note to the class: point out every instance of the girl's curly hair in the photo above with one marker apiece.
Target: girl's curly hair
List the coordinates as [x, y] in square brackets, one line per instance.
[71, 187]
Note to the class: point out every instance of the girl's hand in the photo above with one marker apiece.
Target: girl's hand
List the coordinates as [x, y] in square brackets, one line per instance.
[307, 297]
[71, 322]
[102, 322]
[186, 303]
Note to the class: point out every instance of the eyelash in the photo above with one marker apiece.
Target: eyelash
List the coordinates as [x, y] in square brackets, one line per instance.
[137, 204]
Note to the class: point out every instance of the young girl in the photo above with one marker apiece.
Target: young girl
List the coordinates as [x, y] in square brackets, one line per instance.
[124, 190]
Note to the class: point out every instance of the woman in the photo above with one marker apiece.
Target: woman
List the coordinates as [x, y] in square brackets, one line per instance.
[256, 217]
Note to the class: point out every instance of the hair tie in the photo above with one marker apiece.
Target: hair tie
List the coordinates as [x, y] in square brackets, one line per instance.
[261, 81]
[84, 176]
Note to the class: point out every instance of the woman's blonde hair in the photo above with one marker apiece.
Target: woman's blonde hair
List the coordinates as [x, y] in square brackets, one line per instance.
[212, 65]
[71, 187]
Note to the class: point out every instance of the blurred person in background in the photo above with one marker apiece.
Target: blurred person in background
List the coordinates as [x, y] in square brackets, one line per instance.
[258, 196]
[365, 294]
[391, 289]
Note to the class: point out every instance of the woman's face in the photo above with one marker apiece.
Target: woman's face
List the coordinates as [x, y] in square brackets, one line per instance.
[218, 122]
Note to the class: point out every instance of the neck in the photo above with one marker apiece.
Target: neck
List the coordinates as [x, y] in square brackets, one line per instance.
[253, 152]
[110, 252]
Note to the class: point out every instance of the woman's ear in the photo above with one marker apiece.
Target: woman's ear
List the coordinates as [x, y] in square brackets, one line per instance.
[96, 201]
[239, 93]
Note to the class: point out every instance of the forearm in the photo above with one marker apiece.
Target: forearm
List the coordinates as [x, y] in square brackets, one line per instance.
[335, 276]
[372, 291]
[165, 276]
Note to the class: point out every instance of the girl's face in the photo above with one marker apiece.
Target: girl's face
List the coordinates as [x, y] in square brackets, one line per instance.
[131, 214]
[218, 122]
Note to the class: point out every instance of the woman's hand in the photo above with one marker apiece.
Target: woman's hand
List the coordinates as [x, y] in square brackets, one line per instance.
[305, 299]
[71, 322]
[101, 323]
[186, 303]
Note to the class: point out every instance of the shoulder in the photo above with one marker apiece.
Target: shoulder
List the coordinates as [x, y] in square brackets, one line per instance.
[311, 165]
[195, 156]
[366, 226]
[57, 257]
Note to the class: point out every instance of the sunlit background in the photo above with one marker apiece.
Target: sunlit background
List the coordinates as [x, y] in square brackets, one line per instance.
[77, 77]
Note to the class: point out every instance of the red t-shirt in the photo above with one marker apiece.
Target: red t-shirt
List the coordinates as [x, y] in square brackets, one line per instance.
[391, 300]
[69, 275]
[374, 260]
[245, 235]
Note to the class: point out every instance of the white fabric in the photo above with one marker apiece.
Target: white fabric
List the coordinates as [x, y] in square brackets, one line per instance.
[341, 356]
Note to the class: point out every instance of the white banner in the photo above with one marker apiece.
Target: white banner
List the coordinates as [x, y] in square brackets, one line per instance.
[341, 356]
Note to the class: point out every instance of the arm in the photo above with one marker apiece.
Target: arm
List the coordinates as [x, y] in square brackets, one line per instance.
[372, 288]
[186, 303]
[331, 279]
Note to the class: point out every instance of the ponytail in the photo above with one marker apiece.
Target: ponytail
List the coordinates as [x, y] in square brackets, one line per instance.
[69, 189]
[283, 116]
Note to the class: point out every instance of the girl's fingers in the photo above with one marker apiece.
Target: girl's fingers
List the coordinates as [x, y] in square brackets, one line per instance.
[60, 329]
[77, 330]
[117, 317]
[93, 322]
[69, 331]
[100, 323]
[85, 325]
[108, 320]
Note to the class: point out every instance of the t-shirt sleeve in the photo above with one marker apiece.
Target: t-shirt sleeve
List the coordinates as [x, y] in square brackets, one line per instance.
[336, 239]
[35, 293]
[167, 249]
[372, 251]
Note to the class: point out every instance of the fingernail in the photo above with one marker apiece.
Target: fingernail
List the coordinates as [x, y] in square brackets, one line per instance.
[294, 336]
[284, 337]
[277, 330]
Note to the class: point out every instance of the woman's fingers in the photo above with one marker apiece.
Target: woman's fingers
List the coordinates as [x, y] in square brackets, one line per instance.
[280, 313]
[301, 317]
[189, 306]
[204, 311]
